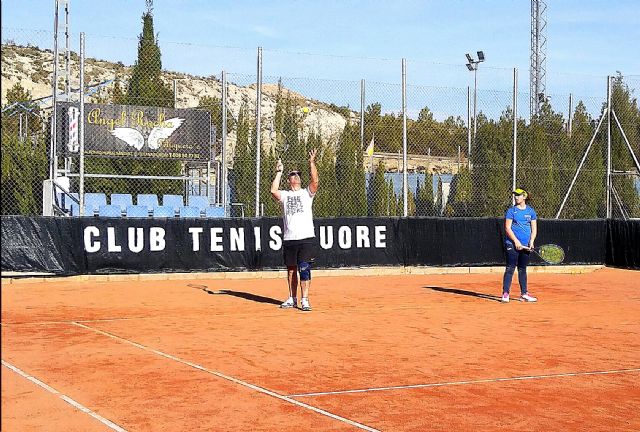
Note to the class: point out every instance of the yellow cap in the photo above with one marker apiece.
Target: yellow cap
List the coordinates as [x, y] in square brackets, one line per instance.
[520, 192]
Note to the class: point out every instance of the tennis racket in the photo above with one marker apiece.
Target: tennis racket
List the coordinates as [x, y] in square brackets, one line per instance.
[281, 148]
[549, 253]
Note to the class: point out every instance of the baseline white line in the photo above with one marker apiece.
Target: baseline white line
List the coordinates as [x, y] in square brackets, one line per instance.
[65, 398]
[232, 379]
[453, 383]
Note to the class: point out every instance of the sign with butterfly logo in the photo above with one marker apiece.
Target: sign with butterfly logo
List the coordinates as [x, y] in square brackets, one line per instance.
[127, 131]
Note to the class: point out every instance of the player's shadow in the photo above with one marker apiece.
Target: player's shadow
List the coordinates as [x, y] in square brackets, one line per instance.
[239, 294]
[459, 291]
[249, 296]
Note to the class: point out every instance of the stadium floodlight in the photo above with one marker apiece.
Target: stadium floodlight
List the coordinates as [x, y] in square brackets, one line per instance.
[473, 67]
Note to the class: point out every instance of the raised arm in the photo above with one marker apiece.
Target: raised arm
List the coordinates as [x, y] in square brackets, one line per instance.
[275, 184]
[313, 184]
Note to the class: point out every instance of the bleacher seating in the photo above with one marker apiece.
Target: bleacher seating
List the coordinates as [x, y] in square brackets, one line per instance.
[110, 210]
[149, 200]
[214, 212]
[137, 211]
[92, 202]
[122, 200]
[189, 212]
[147, 206]
[202, 202]
[164, 211]
[175, 201]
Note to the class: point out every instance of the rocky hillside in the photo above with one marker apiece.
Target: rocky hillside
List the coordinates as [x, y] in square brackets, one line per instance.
[33, 69]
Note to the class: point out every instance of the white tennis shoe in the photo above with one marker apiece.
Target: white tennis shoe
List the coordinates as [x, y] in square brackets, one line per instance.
[528, 298]
[291, 302]
[505, 298]
[304, 304]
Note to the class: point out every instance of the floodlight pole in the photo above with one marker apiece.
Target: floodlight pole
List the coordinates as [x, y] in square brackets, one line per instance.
[472, 65]
[475, 103]
[469, 128]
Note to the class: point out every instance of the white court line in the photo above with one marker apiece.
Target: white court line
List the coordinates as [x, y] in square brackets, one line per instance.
[453, 383]
[234, 380]
[65, 398]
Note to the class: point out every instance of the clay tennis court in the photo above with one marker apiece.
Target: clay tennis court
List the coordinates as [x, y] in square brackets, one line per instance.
[394, 353]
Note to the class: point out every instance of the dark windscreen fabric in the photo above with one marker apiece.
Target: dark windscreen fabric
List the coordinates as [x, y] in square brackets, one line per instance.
[94, 245]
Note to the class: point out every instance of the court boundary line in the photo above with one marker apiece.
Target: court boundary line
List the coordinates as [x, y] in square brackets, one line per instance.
[319, 311]
[64, 397]
[230, 378]
[456, 383]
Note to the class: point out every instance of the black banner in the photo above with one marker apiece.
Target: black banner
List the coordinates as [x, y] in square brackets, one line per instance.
[127, 131]
[95, 245]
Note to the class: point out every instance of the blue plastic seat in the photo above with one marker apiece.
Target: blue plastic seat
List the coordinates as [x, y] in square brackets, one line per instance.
[149, 200]
[109, 210]
[174, 201]
[122, 200]
[202, 202]
[137, 211]
[88, 210]
[164, 211]
[214, 212]
[189, 212]
[93, 201]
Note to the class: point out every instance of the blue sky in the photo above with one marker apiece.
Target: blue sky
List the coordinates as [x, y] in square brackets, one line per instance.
[350, 40]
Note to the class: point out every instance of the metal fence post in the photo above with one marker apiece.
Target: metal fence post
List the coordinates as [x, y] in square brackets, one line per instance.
[362, 102]
[405, 183]
[81, 126]
[608, 195]
[258, 113]
[515, 132]
[224, 142]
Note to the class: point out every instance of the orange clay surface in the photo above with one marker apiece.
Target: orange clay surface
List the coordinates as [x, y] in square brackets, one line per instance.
[392, 353]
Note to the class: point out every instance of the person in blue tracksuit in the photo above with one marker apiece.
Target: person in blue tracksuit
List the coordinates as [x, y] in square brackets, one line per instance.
[521, 227]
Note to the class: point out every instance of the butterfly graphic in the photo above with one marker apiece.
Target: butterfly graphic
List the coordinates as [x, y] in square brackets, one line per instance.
[135, 139]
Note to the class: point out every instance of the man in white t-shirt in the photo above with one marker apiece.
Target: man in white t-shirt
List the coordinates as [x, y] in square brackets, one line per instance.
[299, 235]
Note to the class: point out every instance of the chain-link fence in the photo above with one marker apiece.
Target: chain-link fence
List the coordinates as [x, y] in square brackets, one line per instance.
[158, 138]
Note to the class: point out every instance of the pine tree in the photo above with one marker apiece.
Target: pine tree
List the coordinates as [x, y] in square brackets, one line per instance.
[243, 175]
[24, 157]
[378, 192]
[424, 197]
[626, 110]
[588, 192]
[325, 203]
[461, 190]
[350, 174]
[146, 87]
